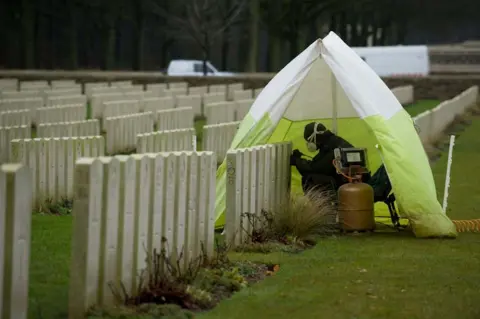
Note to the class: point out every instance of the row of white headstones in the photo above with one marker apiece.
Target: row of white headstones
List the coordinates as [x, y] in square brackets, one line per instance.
[118, 198]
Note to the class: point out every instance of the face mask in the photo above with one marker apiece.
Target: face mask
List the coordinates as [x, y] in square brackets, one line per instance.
[312, 139]
[312, 147]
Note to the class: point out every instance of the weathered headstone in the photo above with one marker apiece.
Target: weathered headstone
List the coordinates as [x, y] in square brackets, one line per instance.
[15, 227]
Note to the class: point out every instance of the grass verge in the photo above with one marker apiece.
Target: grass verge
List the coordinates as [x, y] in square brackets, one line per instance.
[421, 106]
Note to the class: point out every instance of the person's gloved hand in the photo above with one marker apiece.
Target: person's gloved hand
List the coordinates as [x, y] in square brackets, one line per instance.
[295, 154]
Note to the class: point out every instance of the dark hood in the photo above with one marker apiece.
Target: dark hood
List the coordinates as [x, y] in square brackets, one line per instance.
[327, 141]
[310, 127]
[320, 138]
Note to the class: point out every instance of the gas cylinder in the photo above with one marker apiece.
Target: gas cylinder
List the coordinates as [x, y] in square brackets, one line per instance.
[355, 207]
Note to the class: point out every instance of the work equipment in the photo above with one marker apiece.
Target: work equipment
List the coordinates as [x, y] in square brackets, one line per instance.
[383, 193]
[348, 159]
[355, 199]
[356, 158]
[355, 207]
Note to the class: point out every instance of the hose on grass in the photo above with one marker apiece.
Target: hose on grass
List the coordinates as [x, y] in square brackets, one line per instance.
[462, 226]
[467, 226]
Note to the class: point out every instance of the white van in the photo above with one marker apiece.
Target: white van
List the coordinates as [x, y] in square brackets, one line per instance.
[410, 60]
[193, 68]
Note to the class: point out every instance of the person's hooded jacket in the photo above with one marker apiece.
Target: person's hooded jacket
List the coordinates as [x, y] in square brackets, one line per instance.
[322, 163]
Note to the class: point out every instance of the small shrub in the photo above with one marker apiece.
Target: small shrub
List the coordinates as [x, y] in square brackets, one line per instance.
[298, 222]
[167, 282]
[220, 257]
[303, 218]
[61, 207]
[230, 279]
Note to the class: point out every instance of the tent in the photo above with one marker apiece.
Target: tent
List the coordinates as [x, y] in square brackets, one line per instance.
[330, 83]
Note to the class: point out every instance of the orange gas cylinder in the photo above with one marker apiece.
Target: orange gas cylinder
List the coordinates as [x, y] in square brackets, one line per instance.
[355, 207]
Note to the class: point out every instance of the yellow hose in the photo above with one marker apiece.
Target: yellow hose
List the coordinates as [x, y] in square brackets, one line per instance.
[467, 226]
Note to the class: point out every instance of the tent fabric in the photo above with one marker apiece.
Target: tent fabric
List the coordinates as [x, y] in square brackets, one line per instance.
[330, 83]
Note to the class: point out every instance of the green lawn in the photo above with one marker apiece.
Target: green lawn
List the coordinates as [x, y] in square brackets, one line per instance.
[49, 266]
[199, 124]
[379, 276]
[421, 106]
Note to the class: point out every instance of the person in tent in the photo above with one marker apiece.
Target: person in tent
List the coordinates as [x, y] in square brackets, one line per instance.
[319, 172]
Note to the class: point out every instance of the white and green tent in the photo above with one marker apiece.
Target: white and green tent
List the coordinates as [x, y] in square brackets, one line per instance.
[330, 83]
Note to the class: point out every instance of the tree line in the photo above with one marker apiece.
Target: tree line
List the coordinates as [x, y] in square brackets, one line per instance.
[240, 35]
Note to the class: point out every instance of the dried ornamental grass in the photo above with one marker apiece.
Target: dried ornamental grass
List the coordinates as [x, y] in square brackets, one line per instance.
[306, 216]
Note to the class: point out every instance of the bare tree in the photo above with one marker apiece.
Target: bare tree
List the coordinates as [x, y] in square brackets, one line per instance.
[201, 21]
[254, 30]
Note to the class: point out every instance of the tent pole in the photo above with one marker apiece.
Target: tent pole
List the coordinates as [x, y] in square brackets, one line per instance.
[447, 177]
[334, 103]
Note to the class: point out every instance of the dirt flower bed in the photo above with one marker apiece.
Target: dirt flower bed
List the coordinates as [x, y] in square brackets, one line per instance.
[173, 290]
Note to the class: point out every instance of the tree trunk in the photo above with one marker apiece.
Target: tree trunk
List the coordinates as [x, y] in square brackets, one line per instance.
[206, 53]
[275, 53]
[110, 43]
[164, 58]
[320, 27]
[343, 26]
[333, 23]
[52, 44]
[374, 34]
[274, 39]
[362, 33]
[374, 30]
[12, 34]
[28, 34]
[225, 39]
[401, 31]
[140, 36]
[254, 35]
[225, 46]
[42, 41]
[302, 39]
[73, 35]
[293, 42]
[354, 23]
[383, 38]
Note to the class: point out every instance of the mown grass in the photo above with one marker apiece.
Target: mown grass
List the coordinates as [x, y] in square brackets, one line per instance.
[199, 124]
[49, 266]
